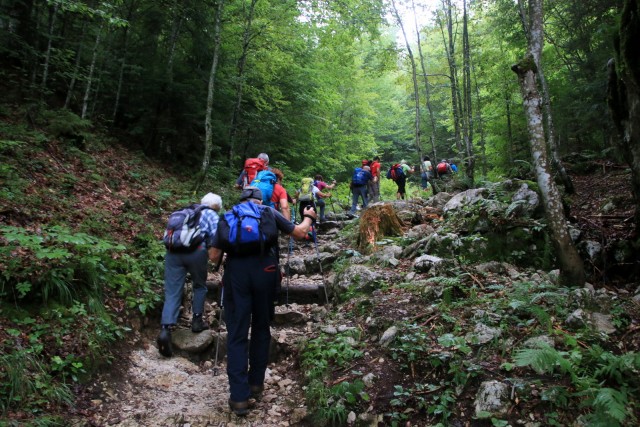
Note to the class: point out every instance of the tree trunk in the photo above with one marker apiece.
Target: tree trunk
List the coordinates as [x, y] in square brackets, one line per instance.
[208, 139]
[76, 69]
[123, 63]
[427, 90]
[468, 110]
[546, 97]
[242, 62]
[571, 266]
[375, 222]
[449, 47]
[53, 12]
[416, 92]
[624, 95]
[87, 92]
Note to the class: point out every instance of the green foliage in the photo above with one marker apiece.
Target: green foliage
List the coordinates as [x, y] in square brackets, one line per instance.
[64, 123]
[319, 357]
[589, 371]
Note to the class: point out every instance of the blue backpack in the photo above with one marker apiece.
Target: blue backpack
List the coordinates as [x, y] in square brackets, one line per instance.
[265, 181]
[359, 177]
[183, 233]
[247, 229]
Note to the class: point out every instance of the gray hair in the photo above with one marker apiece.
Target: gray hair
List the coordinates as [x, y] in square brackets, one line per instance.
[212, 200]
[264, 156]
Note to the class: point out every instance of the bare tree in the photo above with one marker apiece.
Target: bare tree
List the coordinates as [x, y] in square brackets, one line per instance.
[546, 99]
[449, 47]
[467, 128]
[247, 37]
[427, 89]
[208, 140]
[571, 265]
[416, 93]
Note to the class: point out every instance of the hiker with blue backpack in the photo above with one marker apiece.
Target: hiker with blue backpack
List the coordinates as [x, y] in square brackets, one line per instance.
[359, 180]
[189, 233]
[248, 234]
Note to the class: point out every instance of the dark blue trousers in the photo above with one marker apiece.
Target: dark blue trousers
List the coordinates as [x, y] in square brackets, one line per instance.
[249, 292]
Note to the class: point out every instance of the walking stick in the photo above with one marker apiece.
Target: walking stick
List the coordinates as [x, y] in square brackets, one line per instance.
[215, 363]
[286, 303]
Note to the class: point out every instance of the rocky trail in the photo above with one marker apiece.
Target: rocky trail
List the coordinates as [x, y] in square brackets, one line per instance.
[432, 319]
[144, 388]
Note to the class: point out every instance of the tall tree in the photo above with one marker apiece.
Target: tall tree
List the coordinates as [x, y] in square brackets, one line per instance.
[208, 138]
[449, 46]
[469, 159]
[427, 89]
[571, 266]
[414, 77]
[624, 94]
[546, 99]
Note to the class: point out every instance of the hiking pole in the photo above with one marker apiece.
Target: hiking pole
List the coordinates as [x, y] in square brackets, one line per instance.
[324, 283]
[286, 303]
[215, 362]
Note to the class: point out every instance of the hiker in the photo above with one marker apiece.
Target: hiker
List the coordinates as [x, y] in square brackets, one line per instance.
[320, 203]
[374, 185]
[176, 266]
[361, 176]
[426, 173]
[307, 195]
[250, 281]
[444, 168]
[251, 167]
[398, 173]
[280, 198]
[454, 168]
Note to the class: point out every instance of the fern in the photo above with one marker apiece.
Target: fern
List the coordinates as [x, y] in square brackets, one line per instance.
[544, 360]
[611, 402]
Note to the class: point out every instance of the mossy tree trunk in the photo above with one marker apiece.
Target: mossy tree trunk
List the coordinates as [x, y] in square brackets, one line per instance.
[571, 265]
[377, 221]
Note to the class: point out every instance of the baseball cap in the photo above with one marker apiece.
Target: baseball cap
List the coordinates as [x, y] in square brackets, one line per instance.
[251, 193]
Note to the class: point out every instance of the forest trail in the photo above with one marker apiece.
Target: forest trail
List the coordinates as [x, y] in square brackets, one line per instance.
[143, 388]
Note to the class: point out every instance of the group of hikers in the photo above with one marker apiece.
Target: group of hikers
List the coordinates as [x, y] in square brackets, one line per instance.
[248, 235]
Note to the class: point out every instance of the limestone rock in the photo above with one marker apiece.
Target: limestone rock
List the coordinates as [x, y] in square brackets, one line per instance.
[187, 341]
[492, 400]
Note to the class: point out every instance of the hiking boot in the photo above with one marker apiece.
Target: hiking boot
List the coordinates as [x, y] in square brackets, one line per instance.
[239, 408]
[164, 342]
[198, 324]
[256, 391]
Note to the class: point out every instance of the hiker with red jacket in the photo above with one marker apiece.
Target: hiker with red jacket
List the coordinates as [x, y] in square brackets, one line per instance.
[280, 198]
[373, 192]
[398, 173]
[321, 195]
[251, 167]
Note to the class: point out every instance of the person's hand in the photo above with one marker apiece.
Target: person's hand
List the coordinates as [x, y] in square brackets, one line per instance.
[328, 194]
[334, 181]
[310, 212]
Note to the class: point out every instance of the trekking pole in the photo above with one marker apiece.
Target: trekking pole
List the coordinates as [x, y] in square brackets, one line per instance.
[286, 303]
[215, 362]
[324, 283]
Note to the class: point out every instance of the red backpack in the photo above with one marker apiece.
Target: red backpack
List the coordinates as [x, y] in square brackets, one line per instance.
[442, 168]
[395, 172]
[251, 168]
